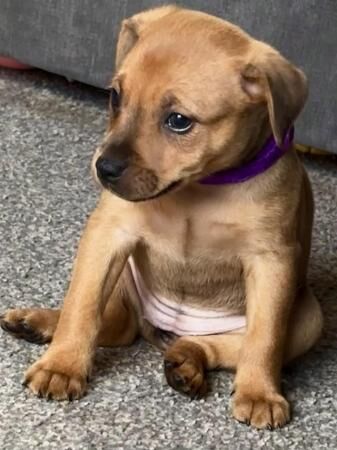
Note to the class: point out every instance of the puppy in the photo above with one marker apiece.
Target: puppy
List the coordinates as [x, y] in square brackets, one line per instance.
[201, 238]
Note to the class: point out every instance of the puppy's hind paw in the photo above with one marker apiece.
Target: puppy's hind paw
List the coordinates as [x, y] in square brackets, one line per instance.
[184, 369]
[33, 325]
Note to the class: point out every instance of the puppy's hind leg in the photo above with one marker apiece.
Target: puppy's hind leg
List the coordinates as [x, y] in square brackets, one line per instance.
[119, 322]
[32, 324]
[305, 326]
[187, 360]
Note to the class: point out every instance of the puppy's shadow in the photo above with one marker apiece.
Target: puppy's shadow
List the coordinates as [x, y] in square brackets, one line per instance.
[109, 361]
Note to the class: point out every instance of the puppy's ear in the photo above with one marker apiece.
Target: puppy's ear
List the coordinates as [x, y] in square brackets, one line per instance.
[133, 27]
[272, 79]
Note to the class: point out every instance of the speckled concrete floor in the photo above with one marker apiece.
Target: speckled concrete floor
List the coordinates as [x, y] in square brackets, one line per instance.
[48, 130]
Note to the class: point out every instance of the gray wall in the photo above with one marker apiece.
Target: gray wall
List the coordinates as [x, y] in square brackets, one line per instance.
[76, 38]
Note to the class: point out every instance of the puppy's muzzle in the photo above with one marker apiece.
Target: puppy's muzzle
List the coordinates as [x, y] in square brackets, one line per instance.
[110, 170]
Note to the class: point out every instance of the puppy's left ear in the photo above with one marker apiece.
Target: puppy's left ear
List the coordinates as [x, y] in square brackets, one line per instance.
[271, 79]
[133, 27]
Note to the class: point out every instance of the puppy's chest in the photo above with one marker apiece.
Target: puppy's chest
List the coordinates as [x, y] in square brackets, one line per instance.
[195, 262]
[195, 238]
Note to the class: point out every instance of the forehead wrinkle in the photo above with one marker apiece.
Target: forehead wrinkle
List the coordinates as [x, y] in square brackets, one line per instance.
[181, 102]
[186, 105]
[168, 100]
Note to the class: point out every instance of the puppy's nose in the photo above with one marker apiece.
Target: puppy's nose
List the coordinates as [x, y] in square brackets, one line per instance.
[110, 169]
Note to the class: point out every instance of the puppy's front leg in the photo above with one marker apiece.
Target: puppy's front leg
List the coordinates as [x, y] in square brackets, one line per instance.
[62, 371]
[270, 285]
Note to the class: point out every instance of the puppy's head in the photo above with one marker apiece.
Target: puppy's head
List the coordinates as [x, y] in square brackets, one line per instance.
[192, 94]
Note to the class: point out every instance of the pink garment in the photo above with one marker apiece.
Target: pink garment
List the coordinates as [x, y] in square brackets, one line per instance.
[181, 319]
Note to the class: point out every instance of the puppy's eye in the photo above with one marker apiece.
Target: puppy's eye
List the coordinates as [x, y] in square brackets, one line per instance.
[178, 123]
[114, 98]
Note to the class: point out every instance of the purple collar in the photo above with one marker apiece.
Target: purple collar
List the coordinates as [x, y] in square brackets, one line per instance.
[267, 156]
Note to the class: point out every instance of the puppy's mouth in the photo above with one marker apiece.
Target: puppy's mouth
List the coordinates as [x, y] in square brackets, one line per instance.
[142, 198]
[164, 191]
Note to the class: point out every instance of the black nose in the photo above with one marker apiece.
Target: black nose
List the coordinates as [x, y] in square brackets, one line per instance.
[110, 169]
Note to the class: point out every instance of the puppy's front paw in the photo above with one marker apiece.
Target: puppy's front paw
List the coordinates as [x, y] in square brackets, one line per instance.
[184, 369]
[267, 410]
[57, 376]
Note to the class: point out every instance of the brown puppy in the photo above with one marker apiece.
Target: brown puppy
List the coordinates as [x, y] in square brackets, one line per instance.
[192, 95]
